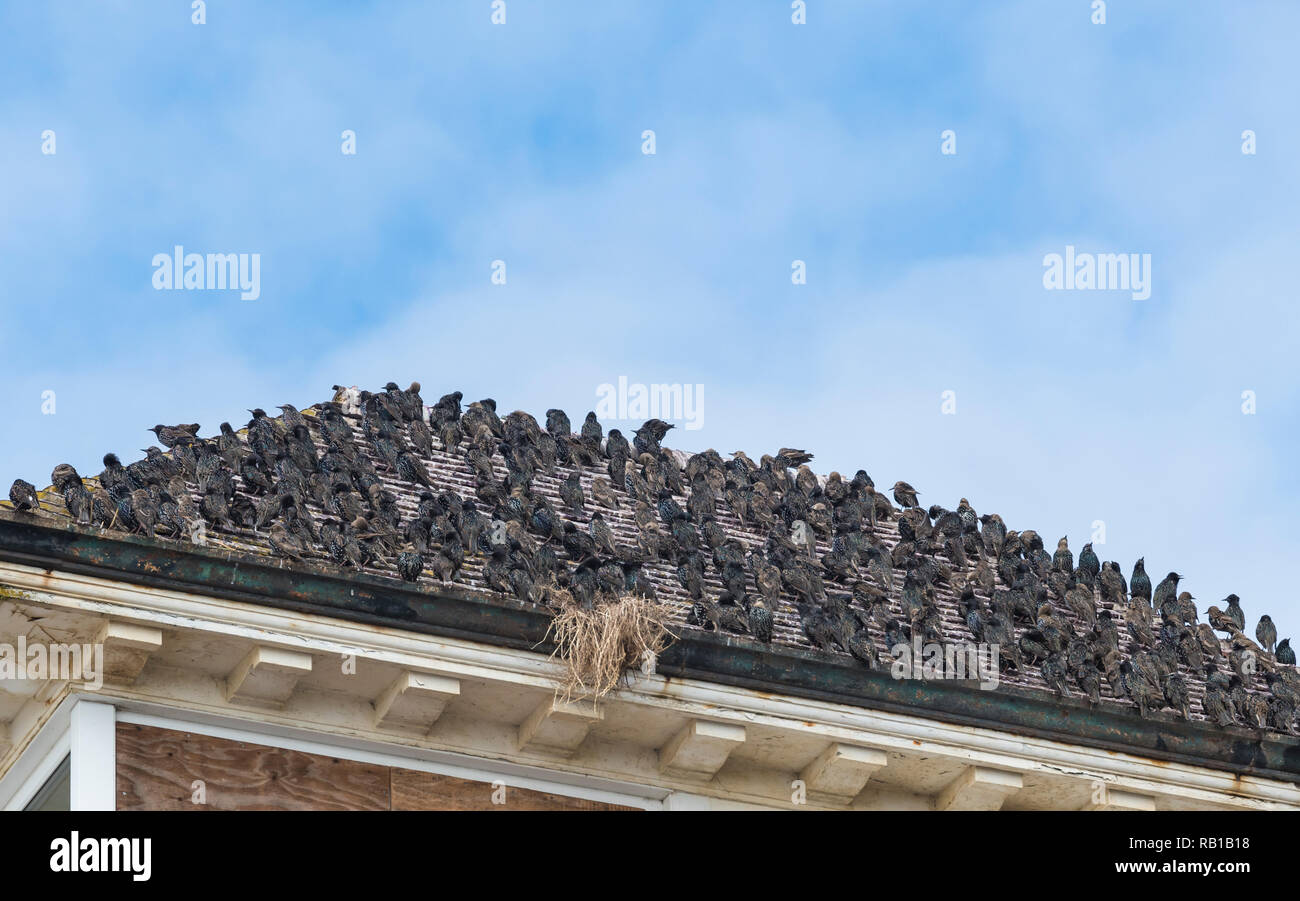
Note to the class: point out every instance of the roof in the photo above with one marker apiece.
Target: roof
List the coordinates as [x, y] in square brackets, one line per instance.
[1022, 698]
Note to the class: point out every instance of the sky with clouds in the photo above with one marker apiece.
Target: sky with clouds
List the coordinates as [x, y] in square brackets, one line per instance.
[774, 142]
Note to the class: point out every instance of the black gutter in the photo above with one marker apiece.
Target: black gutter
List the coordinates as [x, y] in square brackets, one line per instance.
[478, 616]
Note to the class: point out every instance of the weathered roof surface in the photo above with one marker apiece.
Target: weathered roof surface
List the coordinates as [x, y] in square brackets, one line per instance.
[450, 471]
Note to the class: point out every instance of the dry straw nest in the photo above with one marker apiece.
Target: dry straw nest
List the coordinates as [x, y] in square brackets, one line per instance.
[598, 645]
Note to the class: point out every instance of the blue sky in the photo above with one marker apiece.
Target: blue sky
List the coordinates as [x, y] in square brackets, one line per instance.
[774, 142]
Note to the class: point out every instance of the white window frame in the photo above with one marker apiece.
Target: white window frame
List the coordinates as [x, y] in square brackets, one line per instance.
[81, 729]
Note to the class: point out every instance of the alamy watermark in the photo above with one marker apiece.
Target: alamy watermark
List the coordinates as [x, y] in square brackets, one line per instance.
[1098, 272]
[54, 660]
[949, 660]
[179, 270]
[634, 401]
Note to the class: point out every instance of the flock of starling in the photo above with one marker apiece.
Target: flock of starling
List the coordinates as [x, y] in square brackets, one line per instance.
[745, 541]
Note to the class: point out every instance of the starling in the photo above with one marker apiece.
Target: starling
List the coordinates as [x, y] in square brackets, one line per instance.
[284, 543]
[170, 436]
[410, 564]
[1217, 704]
[1235, 613]
[446, 411]
[571, 493]
[1140, 583]
[1137, 617]
[1166, 591]
[601, 534]
[1089, 565]
[905, 494]
[1078, 598]
[228, 444]
[76, 497]
[1266, 632]
[592, 432]
[1285, 653]
[1054, 674]
[1184, 610]
[760, 621]
[23, 496]
[1063, 560]
[1176, 696]
[647, 437]
[790, 458]
[420, 436]
[1221, 621]
[557, 423]
[411, 469]
[144, 511]
[291, 417]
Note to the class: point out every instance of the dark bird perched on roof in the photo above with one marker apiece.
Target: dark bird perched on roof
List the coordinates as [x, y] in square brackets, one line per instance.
[1176, 695]
[1111, 581]
[760, 620]
[603, 494]
[1257, 711]
[1221, 621]
[411, 469]
[113, 478]
[1266, 632]
[1140, 583]
[602, 535]
[592, 432]
[791, 458]
[1166, 591]
[1078, 598]
[557, 423]
[1089, 565]
[993, 533]
[1137, 618]
[967, 517]
[410, 564]
[646, 439]
[1235, 613]
[1142, 687]
[23, 496]
[420, 436]
[228, 444]
[1217, 702]
[285, 544]
[905, 494]
[1284, 653]
[291, 416]
[446, 411]
[215, 508]
[571, 492]
[155, 468]
[1181, 609]
[414, 404]
[1063, 560]
[392, 402]
[170, 436]
[617, 449]
[144, 511]
[1054, 673]
[76, 497]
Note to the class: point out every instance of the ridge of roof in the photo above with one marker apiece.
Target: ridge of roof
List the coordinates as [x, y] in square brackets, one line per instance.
[449, 472]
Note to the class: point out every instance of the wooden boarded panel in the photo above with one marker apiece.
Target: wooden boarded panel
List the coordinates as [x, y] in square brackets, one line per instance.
[157, 768]
[415, 790]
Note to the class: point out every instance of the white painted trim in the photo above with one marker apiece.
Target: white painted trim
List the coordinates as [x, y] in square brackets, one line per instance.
[909, 735]
[39, 759]
[93, 745]
[444, 763]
